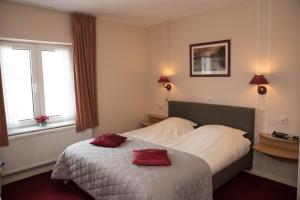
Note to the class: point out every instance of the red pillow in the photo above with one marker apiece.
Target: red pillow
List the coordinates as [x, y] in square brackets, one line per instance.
[108, 140]
[151, 157]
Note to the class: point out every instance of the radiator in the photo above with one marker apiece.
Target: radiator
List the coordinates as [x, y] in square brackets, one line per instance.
[38, 148]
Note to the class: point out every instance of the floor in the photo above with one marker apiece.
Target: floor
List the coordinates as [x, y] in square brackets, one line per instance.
[243, 187]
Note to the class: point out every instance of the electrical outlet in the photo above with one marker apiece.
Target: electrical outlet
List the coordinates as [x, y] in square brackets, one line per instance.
[261, 108]
[160, 106]
[284, 120]
[209, 98]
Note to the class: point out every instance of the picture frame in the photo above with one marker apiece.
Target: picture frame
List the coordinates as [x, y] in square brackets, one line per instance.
[210, 59]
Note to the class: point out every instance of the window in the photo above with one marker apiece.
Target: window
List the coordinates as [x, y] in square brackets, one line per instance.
[37, 80]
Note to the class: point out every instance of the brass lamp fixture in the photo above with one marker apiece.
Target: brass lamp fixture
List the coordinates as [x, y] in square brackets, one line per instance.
[165, 81]
[259, 80]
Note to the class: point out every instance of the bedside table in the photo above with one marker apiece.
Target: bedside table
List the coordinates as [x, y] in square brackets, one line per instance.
[277, 147]
[152, 119]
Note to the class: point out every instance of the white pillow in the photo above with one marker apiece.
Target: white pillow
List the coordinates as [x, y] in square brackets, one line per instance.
[219, 129]
[164, 132]
[218, 145]
[179, 125]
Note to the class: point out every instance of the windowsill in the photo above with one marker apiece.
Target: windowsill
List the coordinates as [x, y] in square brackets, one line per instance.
[19, 131]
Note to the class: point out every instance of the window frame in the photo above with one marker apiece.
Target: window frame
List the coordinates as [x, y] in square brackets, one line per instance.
[37, 82]
[42, 104]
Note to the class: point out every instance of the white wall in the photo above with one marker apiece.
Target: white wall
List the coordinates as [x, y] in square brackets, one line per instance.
[256, 36]
[285, 65]
[131, 59]
[239, 26]
[26, 22]
[121, 59]
[121, 74]
[284, 94]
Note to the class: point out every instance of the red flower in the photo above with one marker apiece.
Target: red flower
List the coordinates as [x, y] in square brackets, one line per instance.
[41, 118]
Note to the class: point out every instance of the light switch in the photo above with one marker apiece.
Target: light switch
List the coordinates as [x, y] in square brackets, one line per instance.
[160, 106]
[284, 120]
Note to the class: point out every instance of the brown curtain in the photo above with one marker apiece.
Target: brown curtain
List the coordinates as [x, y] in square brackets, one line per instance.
[3, 127]
[84, 57]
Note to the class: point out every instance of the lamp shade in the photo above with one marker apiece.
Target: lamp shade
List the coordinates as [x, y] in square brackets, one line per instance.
[258, 79]
[163, 79]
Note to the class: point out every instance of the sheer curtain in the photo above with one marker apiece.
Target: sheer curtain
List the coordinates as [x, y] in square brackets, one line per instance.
[58, 82]
[16, 85]
[84, 56]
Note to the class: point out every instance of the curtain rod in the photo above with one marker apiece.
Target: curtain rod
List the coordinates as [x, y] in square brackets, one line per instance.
[34, 41]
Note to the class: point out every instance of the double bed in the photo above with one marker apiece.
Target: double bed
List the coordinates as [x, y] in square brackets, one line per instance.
[202, 159]
[242, 118]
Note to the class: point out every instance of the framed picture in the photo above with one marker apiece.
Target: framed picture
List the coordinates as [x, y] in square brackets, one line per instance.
[210, 59]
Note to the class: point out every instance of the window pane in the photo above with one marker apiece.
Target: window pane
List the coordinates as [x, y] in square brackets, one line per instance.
[58, 83]
[16, 75]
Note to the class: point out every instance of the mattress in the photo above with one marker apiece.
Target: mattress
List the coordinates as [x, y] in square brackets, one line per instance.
[217, 148]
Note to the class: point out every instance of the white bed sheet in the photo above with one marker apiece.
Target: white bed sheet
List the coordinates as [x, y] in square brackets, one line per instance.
[217, 148]
[169, 133]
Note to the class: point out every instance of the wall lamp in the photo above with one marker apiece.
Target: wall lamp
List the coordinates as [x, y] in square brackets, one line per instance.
[259, 80]
[165, 81]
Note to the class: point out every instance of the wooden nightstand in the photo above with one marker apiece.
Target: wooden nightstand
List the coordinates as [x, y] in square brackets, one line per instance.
[277, 147]
[152, 119]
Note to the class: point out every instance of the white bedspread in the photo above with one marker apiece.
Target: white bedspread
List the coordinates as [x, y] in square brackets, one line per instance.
[217, 148]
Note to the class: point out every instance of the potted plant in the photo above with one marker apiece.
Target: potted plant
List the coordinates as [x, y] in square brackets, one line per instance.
[42, 120]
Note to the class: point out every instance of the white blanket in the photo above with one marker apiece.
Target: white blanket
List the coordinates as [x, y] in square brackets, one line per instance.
[217, 148]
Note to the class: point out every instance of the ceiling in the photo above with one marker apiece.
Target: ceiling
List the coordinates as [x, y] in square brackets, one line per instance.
[135, 12]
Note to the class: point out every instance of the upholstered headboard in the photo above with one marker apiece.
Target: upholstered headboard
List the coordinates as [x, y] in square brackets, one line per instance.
[237, 117]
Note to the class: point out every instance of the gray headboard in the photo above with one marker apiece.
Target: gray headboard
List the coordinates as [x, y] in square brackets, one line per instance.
[237, 117]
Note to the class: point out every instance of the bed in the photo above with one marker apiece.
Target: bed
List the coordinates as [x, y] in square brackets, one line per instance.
[109, 174]
[237, 117]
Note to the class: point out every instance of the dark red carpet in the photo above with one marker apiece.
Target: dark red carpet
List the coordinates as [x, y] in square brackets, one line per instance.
[41, 187]
[250, 187]
[243, 187]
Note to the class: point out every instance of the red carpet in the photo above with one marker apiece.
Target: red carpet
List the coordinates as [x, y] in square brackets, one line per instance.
[41, 187]
[243, 187]
[249, 187]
